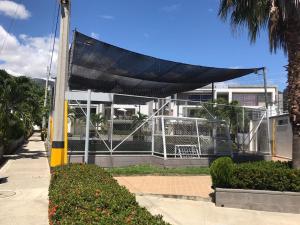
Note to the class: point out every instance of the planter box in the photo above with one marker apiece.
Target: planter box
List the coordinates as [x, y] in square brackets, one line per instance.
[273, 201]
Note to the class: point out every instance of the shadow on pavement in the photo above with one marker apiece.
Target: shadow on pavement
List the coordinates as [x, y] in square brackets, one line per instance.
[3, 180]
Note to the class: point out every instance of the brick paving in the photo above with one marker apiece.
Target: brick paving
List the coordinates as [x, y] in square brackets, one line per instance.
[196, 186]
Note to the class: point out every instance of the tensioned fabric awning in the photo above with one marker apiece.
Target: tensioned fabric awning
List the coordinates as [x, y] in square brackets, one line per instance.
[106, 68]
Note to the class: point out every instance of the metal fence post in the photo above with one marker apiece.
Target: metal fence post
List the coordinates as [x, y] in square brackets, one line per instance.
[243, 128]
[87, 127]
[153, 139]
[267, 111]
[198, 137]
[164, 136]
[214, 133]
[112, 113]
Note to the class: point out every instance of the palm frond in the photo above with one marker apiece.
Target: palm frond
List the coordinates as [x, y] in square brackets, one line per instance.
[256, 15]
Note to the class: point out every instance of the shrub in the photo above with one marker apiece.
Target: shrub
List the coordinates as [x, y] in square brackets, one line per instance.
[262, 175]
[15, 130]
[274, 176]
[86, 194]
[221, 172]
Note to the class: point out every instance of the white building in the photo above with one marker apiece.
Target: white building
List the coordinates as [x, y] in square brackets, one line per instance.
[248, 96]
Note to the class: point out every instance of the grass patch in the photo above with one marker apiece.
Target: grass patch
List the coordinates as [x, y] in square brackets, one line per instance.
[154, 170]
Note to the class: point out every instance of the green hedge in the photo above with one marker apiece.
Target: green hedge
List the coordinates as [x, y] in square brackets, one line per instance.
[274, 176]
[86, 194]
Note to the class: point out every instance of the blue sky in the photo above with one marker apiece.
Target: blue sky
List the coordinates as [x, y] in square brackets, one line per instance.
[184, 31]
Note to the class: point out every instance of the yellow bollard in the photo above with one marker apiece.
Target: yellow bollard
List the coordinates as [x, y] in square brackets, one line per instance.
[59, 154]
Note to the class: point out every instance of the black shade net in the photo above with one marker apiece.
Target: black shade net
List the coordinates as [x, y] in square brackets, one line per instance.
[103, 67]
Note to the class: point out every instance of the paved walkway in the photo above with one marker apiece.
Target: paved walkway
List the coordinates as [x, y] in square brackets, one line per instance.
[24, 197]
[197, 186]
[188, 212]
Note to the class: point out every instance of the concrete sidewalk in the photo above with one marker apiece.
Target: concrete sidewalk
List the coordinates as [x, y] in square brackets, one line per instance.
[24, 197]
[187, 212]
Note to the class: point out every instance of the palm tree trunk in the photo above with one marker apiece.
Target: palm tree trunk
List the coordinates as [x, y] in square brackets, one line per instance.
[293, 47]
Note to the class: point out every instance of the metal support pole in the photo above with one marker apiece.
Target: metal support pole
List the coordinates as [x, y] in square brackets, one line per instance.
[199, 145]
[111, 124]
[87, 127]
[243, 128]
[62, 71]
[153, 139]
[213, 92]
[163, 131]
[50, 116]
[267, 111]
[214, 133]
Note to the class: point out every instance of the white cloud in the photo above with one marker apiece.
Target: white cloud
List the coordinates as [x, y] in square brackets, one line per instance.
[107, 17]
[14, 10]
[171, 8]
[26, 55]
[95, 35]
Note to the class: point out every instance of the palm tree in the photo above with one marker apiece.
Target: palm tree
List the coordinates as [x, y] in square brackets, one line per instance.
[282, 20]
[222, 110]
[138, 119]
[99, 121]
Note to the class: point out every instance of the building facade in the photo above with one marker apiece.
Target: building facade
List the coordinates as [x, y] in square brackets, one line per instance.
[247, 96]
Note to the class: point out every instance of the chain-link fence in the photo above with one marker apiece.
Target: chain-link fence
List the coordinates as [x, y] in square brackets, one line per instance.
[186, 137]
[170, 128]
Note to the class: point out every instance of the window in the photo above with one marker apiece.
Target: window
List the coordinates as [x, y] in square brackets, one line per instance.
[251, 99]
[245, 99]
[223, 96]
[282, 122]
[202, 97]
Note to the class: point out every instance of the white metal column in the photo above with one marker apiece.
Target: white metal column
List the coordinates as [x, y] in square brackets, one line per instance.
[87, 127]
[199, 146]
[267, 111]
[164, 136]
[153, 139]
[243, 127]
[112, 113]
[215, 138]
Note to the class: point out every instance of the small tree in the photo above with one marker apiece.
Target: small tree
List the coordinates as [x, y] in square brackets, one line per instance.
[99, 120]
[138, 119]
[220, 109]
[20, 106]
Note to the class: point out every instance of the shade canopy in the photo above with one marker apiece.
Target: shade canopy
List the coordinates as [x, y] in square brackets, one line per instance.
[106, 68]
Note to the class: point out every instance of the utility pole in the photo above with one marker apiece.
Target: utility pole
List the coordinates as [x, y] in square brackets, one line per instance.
[57, 151]
[45, 98]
